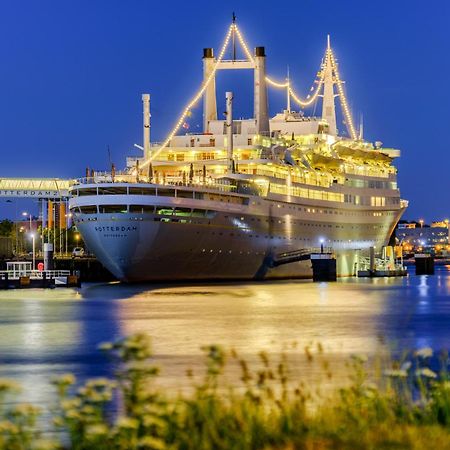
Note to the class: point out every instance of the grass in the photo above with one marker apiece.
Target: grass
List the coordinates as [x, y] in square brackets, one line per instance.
[403, 405]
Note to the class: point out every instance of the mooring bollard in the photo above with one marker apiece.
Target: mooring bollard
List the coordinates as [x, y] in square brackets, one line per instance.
[424, 264]
[323, 266]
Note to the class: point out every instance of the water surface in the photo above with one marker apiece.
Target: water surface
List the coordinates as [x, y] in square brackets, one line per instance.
[49, 332]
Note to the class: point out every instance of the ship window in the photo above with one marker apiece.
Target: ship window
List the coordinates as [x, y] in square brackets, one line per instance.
[182, 211]
[166, 193]
[198, 213]
[112, 190]
[87, 191]
[198, 195]
[141, 191]
[106, 209]
[184, 194]
[164, 210]
[141, 209]
[92, 209]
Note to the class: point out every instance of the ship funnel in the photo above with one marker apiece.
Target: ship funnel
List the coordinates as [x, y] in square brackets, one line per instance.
[209, 97]
[260, 92]
[229, 126]
[146, 137]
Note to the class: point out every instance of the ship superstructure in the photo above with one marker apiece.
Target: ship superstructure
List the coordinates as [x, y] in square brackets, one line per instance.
[229, 202]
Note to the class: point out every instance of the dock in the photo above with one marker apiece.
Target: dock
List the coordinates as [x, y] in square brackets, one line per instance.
[21, 275]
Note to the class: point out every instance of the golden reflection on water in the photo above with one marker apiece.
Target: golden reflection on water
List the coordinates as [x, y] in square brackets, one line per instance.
[48, 332]
[256, 316]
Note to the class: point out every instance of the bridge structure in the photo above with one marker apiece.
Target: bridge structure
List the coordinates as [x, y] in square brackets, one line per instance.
[52, 195]
[35, 188]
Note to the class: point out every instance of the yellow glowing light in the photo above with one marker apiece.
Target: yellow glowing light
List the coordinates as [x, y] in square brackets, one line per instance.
[343, 99]
[195, 99]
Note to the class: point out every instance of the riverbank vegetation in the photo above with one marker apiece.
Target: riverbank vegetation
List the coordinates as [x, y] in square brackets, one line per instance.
[402, 405]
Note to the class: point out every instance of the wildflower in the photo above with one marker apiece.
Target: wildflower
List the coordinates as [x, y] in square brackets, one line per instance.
[26, 410]
[97, 429]
[65, 380]
[396, 373]
[106, 346]
[425, 352]
[8, 386]
[7, 427]
[127, 423]
[359, 358]
[406, 366]
[425, 372]
[70, 403]
[149, 442]
[45, 444]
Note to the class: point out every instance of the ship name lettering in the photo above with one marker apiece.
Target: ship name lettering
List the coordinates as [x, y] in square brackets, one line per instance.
[122, 228]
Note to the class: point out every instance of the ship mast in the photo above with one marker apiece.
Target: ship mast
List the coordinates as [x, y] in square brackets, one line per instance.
[328, 106]
[288, 93]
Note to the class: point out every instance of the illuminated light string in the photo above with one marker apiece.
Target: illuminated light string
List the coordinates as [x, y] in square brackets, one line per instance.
[343, 99]
[194, 100]
[243, 44]
[309, 100]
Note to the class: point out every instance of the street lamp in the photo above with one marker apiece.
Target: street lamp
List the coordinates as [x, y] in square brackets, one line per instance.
[68, 216]
[33, 237]
[25, 214]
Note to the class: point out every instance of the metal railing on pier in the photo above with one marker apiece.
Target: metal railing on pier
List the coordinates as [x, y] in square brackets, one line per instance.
[33, 274]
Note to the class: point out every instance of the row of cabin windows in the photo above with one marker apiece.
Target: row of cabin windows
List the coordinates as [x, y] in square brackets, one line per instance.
[161, 192]
[143, 209]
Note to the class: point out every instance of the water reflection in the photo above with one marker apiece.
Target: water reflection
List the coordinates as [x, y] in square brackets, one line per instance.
[55, 331]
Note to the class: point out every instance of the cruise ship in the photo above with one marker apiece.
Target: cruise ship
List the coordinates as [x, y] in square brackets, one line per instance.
[234, 201]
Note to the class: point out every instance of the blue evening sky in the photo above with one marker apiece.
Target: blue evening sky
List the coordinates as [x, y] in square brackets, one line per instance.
[72, 74]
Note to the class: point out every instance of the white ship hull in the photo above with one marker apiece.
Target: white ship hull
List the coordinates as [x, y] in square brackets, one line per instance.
[230, 241]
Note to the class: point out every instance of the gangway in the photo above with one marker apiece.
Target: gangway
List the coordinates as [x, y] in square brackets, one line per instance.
[303, 254]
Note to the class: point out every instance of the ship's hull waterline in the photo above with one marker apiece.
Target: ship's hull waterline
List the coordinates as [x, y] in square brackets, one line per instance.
[226, 245]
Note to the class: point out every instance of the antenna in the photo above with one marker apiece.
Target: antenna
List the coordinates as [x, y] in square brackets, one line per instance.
[234, 36]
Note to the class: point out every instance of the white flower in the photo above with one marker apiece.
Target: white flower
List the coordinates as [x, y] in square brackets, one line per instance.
[426, 352]
[425, 372]
[406, 366]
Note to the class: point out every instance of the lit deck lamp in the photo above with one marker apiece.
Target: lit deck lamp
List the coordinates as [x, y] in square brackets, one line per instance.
[322, 240]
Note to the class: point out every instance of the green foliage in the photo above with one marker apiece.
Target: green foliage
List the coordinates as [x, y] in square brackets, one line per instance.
[6, 228]
[406, 405]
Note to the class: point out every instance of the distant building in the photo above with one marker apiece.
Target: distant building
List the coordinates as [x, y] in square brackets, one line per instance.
[411, 236]
[402, 226]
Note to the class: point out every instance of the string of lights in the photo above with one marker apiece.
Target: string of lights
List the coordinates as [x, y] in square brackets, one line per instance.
[243, 44]
[310, 99]
[276, 84]
[194, 100]
[348, 117]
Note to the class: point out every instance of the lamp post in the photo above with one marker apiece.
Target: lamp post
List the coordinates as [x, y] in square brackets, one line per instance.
[68, 217]
[34, 250]
[25, 214]
[322, 240]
